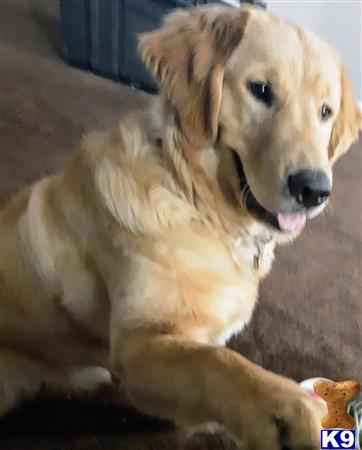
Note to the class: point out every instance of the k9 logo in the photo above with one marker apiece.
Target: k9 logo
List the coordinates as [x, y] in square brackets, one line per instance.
[338, 439]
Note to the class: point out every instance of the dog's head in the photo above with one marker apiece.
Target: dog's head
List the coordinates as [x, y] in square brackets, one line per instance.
[274, 100]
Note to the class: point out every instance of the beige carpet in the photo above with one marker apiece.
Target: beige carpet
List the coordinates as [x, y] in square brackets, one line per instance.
[308, 321]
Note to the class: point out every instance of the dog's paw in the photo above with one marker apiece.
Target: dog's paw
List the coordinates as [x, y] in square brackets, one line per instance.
[298, 420]
[289, 419]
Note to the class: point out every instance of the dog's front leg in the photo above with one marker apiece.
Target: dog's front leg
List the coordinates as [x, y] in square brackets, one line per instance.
[192, 384]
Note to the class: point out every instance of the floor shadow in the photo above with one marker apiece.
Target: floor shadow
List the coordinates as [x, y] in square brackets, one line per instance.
[59, 416]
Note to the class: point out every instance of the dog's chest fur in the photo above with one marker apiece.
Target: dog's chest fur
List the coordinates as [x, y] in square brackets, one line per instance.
[187, 275]
[230, 304]
[254, 247]
[194, 282]
[257, 252]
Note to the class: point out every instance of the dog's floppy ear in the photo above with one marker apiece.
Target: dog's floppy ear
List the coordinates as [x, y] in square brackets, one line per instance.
[348, 122]
[187, 56]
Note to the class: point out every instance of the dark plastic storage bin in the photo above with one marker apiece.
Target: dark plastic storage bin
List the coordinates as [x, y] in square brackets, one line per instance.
[101, 35]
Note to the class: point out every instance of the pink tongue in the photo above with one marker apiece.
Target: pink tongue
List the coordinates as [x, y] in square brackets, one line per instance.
[292, 223]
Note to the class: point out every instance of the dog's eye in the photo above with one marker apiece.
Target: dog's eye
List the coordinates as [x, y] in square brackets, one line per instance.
[326, 112]
[261, 91]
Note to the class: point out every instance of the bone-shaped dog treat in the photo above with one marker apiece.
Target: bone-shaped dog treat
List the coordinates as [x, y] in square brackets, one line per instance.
[337, 396]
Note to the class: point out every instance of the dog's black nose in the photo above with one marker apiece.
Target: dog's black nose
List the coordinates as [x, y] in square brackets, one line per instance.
[309, 187]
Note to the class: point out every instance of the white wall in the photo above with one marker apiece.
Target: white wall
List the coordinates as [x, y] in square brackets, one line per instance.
[338, 22]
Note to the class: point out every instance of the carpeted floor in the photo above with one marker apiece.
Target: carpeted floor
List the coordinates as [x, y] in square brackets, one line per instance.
[309, 318]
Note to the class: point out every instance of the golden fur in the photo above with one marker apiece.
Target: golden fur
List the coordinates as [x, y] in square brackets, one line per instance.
[139, 258]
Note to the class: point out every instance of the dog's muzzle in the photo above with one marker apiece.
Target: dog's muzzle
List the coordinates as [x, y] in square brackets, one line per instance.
[308, 189]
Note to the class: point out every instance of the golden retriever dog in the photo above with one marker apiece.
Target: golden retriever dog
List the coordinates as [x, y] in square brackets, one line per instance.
[144, 255]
